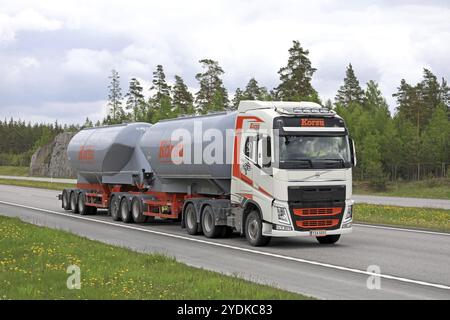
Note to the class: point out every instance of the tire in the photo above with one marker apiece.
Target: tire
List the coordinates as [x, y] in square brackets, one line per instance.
[136, 210]
[190, 218]
[82, 209]
[226, 232]
[253, 230]
[73, 202]
[114, 207]
[333, 238]
[65, 200]
[210, 230]
[125, 212]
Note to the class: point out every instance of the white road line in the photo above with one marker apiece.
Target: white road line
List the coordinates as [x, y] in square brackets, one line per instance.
[273, 255]
[401, 229]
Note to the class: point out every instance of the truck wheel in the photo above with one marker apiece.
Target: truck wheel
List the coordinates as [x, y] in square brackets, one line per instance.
[73, 202]
[65, 200]
[125, 213]
[136, 210]
[253, 230]
[333, 238]
[210, 230]
[190, 217]
[82, 209]
[114, 208]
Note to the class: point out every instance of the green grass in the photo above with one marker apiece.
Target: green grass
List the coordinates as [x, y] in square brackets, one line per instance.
[34, 260]
[13, 171]
[432, 189]
[37, 184]
[421, 218]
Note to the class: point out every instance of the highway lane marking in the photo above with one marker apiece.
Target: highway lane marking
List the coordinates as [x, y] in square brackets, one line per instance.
[355, 224]
[401, 229]
[273, 255]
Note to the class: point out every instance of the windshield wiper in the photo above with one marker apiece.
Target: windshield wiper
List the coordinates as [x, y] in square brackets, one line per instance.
[305, 161]
[341, 161]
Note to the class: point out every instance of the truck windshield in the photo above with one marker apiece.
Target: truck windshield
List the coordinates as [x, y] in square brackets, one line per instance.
[297, 152]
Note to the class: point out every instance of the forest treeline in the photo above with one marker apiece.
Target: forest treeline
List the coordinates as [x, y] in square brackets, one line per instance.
[411, 144]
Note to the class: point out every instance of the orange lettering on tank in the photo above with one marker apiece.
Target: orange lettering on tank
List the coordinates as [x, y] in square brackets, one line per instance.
[86, 153]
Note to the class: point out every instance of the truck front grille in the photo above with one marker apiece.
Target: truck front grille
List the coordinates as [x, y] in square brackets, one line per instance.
[317, 211]
[313, 224]
[316, 207]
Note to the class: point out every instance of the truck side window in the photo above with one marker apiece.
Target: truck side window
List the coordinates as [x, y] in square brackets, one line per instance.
[248, 149]
[268, 152]
[264, 151]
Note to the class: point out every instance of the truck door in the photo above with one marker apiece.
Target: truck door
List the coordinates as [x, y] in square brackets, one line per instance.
[262, 175]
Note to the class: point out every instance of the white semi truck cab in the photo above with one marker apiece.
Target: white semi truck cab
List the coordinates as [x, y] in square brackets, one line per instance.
[292, 164]
[269, 169]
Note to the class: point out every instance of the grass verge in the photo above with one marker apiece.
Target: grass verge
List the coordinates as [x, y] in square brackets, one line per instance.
[13, 171]
[37, 184]
[34, 260]
[431, 189]
[421, 218]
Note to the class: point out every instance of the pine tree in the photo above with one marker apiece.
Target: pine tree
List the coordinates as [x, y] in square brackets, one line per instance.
[431, 92]
[373, 98]
[88, 123]
[254, 92]
[436, 139]
[236, 99]
[410, 104]
[164, 111]
[296, 77]
[212, 95]
[135, 104]
[116, 113]
[160, 86]
[182, 98]
[444, 95]
[161, 95]
[350, 92]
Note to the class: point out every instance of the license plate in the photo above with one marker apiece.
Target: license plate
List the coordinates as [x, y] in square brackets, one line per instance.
[318, 233]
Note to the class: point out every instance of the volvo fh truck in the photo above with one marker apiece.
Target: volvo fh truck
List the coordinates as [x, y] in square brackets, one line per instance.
[269, 169]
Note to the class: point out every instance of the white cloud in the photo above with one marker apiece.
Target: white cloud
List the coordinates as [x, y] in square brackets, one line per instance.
[27, 20]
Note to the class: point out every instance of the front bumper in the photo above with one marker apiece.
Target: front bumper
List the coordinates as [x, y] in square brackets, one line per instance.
[277, 233]
[344, 226]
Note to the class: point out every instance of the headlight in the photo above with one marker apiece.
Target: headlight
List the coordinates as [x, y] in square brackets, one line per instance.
[349, 214]
[282, 214]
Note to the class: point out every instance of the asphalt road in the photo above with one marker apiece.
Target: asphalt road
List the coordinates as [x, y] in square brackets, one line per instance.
[382, 200]
[413, 264]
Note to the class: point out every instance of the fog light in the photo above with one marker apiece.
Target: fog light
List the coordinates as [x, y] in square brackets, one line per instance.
[282, 228]
[347, 225]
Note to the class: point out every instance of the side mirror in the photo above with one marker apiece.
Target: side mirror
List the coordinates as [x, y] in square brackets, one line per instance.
[352, 152]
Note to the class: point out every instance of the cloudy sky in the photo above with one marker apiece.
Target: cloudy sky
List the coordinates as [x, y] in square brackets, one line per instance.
[56, 56]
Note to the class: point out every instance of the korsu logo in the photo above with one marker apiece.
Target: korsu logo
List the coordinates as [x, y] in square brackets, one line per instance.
[312, 122]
